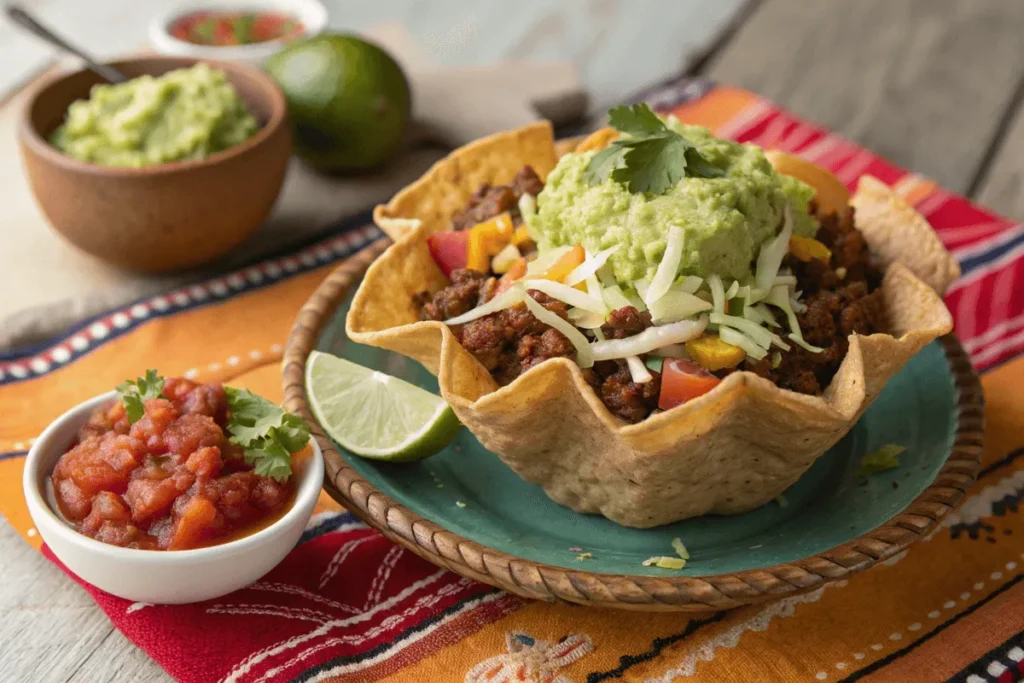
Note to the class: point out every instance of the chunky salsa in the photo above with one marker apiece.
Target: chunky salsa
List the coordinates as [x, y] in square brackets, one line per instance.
[235, 28]
[169, 480]
[833, 273]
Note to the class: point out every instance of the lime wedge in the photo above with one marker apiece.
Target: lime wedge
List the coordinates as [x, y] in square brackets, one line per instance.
[376, 415]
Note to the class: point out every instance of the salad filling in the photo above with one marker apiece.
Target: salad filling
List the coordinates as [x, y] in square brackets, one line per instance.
[649, 305]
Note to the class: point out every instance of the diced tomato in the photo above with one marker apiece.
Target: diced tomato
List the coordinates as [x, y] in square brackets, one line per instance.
[449, 249]
[683, 380]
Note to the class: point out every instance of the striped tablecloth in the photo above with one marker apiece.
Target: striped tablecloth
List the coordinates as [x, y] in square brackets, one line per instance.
[348, 605]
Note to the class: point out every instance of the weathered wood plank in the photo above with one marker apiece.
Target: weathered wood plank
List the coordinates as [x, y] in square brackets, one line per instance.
[923, 82]
[117, 659]
[1001, 187]
[49, 626]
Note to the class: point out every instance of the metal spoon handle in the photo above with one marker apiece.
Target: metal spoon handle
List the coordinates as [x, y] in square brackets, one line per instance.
[26, 21]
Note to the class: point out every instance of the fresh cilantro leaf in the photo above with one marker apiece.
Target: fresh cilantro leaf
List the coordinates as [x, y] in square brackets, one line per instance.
[272, 460]
[603, 163]
[637, 120]
[266, 432]
[133, 395]
[699, 167]
[885, 458]
[652, 165]
[651, 159]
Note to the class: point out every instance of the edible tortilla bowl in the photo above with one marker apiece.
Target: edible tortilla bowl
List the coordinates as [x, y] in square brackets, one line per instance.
[729, 451]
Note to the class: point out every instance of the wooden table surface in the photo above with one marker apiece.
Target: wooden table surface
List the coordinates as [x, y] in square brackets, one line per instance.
[934, 85]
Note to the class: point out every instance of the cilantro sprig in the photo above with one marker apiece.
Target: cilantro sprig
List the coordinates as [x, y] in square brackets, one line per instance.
[651, 159]
[268, 434]
[133, 395]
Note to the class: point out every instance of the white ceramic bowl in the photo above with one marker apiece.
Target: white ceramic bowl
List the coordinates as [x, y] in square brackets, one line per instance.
[310, 13]
[159, 576]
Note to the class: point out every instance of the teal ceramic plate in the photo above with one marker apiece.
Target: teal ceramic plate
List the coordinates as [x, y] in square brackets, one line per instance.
[922, 408]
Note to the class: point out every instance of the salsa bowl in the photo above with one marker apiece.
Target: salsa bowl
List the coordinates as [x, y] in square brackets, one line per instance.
[159, 576]
[165, 217]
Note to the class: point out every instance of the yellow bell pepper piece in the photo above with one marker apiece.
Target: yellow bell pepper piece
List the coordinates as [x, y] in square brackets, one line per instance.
[521, 236]
[566, 264]
[711, 353]
[829, 192]
[807, 248]
[487, 239]
[477, 257]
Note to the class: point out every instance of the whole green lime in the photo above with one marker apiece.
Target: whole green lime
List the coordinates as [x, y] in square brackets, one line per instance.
[348, 100]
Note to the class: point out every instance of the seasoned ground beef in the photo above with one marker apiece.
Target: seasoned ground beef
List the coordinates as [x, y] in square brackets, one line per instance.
[491, 200]
[469, 289]
[626, 322]
[620, 394]
[842, 298]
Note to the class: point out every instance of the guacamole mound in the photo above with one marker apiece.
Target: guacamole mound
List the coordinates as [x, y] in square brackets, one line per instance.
[725, 220]
[184, 114]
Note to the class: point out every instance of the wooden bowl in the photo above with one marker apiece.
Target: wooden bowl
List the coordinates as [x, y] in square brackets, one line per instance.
[166, 217]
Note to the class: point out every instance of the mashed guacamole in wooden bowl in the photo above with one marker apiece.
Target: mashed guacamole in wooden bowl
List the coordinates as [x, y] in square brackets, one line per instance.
[184, 114]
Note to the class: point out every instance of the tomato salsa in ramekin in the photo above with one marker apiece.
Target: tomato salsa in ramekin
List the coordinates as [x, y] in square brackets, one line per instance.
[177, 465]
[224, 28]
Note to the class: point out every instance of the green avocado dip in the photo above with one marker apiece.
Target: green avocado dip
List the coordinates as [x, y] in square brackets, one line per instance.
[183, 114]
[726, 215]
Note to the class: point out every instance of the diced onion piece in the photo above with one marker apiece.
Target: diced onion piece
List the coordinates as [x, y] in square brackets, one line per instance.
[689, 284]
[590, 266]
[779, 297]
[528, 210]
[665, 275]
[761, 336]
[527, 207]
[798, 306]
[510, 297]
[505, 258]
[675, 306]
[717, 293]
[584, 356]
[642, 286]
[650, 339]
[569, 295]
[587, 320]
[541, 264]
[614, 297]
[671, 351]
[736, 338]
[677, 545]
[733, 290]
[638, 370]
[800, 341]
[772, 253]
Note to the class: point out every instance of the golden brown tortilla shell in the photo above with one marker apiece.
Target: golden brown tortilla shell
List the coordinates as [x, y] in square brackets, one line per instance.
[731, 450]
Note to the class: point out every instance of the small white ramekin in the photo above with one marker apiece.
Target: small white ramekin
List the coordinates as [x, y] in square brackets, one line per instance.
[159, 576]
[310, 13]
